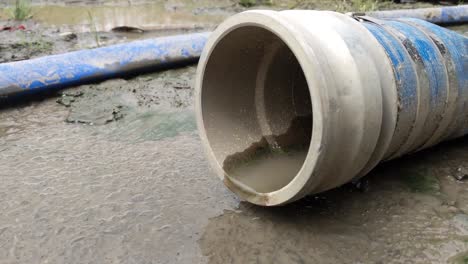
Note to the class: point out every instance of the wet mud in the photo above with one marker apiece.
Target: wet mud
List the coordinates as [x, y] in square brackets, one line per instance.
[74, 193]
[271, 163]
[412, 212]
[36, 40]
[115, 173]
[151, 106]
[138, 190]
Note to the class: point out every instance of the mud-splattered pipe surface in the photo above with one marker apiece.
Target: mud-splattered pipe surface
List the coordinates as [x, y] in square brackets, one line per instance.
[298, 102]
[77, 67]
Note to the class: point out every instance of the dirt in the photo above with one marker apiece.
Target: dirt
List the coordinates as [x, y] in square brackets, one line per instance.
[152, 106]
[114, 173]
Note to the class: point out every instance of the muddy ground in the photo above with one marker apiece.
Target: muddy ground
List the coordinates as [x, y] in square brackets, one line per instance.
[114, 173]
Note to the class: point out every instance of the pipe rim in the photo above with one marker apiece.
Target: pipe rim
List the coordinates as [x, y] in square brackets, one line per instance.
[305, 179]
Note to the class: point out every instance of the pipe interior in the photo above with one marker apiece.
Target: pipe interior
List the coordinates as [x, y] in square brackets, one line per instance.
[256, 109]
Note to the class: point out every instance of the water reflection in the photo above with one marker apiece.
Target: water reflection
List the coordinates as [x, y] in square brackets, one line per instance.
[157, 15]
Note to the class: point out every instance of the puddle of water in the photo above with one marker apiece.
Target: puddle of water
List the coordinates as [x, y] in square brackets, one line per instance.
[153, 126]
[274, 161]
[271, 171]
[157, 15]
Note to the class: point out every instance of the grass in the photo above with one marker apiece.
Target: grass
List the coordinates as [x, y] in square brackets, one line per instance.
[358, 5]
[34, 45]
[342, 5]
[250, 3]
[364, 5]
[465, 260]
[22, 10]
[460, 260]
[420, 180]
[247, 3]
[93, 28]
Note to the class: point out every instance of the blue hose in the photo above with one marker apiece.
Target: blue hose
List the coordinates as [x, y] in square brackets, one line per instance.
[77, 67]
[436, 15]
[430, 65]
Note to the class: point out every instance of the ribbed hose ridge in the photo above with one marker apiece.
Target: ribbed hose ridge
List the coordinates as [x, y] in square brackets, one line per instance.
[430, 68]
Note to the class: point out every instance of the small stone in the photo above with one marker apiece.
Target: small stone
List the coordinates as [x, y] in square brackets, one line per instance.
[361, 185]
[69, 36]
[66, 101]
[72, 93]
[461, 174]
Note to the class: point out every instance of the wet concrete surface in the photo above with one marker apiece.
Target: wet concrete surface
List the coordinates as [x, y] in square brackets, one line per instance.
[115, 173]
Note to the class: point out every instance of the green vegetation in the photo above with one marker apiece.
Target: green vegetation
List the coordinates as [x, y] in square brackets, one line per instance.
[465, 260]
[247, 3]
[420, 180]
[33, 45]
[92, 24]
[250, 3]
[362, 5]
[342, 5]
[22, 10]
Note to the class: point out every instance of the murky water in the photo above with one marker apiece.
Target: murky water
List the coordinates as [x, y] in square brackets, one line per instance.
[274, 161]
[149, 15]
[269, 172]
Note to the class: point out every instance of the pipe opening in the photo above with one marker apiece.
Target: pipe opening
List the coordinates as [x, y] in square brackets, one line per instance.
[256, 109]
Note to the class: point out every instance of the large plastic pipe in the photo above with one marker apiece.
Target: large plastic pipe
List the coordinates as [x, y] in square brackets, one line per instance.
[77, 67]
[437, 15]
[298, 102]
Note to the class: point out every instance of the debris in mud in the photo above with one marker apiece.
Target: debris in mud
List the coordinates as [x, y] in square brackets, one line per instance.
[180, 86]
[361, 185]
[93, 118]
[461, 174]
[113, 100]
[66, 101]
[271, 163]
[419, 179]
[96, 104]
[69, 97]
[128, 29]
[13, 28]
[69, 36]
[24, 50]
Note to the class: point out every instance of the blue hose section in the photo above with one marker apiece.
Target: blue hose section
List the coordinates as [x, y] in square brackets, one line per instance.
[426, 59]
[73, 68]
[428, 53]
[457, 48]
[405, 77]
[437, 15]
